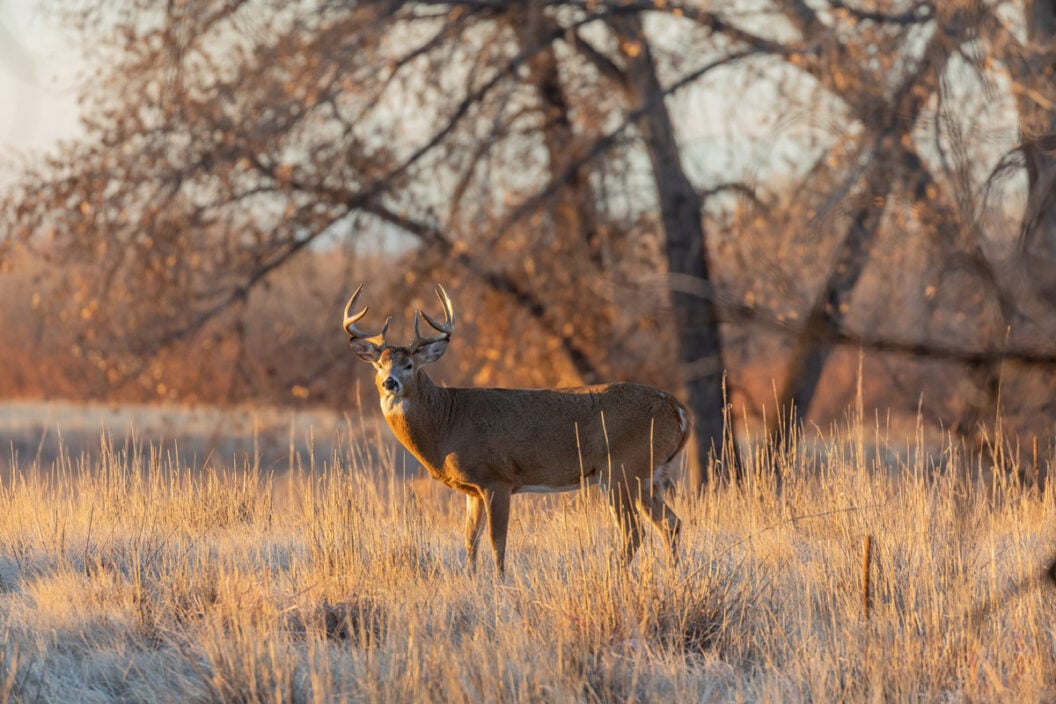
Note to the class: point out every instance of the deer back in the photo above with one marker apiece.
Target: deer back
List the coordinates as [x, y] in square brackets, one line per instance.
[540, 438]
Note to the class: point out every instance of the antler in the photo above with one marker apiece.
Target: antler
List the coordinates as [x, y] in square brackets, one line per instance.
[445, 329]
[377, 340]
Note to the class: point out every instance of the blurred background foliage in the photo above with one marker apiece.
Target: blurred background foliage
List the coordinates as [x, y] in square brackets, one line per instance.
[755, 202]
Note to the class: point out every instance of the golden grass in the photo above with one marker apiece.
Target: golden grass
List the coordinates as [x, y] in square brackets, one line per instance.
[125, 576]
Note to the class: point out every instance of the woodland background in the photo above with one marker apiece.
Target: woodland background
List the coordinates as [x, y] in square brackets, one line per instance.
[760, 205]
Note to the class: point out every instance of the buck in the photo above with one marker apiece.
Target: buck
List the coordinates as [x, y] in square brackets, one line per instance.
[493, 443]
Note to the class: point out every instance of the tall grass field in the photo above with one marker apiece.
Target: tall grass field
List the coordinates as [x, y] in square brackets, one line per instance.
[132, 571]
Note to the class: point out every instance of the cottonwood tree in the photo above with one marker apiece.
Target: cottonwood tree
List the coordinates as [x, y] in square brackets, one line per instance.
[902, 82]
[225, 139]
[883, 68]
[533, 150]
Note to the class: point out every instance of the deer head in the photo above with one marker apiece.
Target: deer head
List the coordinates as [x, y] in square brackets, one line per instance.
[396, 367]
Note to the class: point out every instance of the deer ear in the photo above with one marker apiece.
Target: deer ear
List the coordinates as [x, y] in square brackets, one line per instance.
[430, 352]
[365, 349]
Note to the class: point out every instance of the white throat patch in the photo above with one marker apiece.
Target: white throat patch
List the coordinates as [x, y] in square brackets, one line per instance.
[393, 405]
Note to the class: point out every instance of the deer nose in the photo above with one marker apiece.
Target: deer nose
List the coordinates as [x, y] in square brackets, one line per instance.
[390, 385]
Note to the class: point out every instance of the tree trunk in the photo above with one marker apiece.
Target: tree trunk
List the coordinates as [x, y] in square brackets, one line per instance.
[572, 207]
[892, 154]
[1037, 126]
[574, 211]
[696, 318]
[833, 301]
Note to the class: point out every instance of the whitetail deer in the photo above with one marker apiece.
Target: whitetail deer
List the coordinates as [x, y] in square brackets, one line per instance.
[493, 443]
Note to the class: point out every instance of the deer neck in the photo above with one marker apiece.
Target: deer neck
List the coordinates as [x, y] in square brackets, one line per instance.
[418, 421]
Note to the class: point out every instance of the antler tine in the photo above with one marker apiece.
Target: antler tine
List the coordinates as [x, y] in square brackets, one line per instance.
[445, 329]
[351, 320]
[448, 325]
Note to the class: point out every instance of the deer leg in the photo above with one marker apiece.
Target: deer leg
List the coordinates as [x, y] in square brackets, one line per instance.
[497, 505]
[474, 522]
[661, 516]
[631, 527]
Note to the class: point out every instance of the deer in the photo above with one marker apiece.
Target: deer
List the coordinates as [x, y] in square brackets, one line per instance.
[492, 443]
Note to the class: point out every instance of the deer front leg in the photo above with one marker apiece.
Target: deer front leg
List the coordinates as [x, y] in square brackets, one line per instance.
[497, 503]
[622, 502]
[474, 522]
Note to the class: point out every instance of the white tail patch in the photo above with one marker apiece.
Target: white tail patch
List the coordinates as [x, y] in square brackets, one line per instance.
[663, 479]
[683, 422]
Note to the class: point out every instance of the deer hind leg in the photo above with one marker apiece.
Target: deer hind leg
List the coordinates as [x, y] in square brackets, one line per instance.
[497, 505]
[622, 502]
[658, 512]
[663, 517]
[474, 522]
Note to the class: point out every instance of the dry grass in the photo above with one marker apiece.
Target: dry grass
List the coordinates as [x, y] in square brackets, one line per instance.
[126, 576]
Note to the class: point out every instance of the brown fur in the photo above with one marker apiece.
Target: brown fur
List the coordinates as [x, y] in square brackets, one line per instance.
[493, 443]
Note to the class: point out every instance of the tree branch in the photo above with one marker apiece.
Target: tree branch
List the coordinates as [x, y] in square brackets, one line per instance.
[497, 281]
[833, 333]
[920, 12]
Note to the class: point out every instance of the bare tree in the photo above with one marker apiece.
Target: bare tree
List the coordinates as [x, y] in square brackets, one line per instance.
[697, 320]
[888, 120]
[538, 153]
[224, 146]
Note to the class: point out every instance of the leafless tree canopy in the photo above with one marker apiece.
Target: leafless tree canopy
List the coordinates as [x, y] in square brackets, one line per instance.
[660, 190]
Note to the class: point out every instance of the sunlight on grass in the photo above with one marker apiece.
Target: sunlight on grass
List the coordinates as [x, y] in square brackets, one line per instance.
[127, 576]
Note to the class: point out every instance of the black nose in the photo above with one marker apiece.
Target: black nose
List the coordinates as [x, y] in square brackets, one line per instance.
[390, 384]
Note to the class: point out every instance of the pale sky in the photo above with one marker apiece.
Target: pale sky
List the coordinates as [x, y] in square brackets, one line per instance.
[38, 80]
